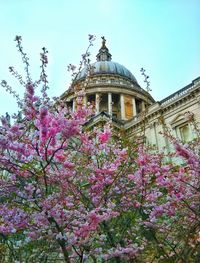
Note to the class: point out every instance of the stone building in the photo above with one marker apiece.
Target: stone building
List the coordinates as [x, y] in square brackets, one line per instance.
[118, 97]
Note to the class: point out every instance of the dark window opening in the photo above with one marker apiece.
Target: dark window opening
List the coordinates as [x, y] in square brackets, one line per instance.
[138, 104]
[103, 102]
[116, 105]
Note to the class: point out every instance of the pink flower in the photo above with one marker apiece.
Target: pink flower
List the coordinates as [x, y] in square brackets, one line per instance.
[30, 89]
[104, 136]
[137, 204]
[131, 177]
[43, 113]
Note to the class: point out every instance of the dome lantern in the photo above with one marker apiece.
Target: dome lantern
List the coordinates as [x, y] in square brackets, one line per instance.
[104, 54]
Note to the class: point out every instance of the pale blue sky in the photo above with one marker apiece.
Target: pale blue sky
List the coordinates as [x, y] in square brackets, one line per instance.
[163, 36]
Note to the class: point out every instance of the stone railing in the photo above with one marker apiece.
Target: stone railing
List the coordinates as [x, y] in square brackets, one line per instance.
[117, 83]
[180, 92]
[138, 117]
[112, 81]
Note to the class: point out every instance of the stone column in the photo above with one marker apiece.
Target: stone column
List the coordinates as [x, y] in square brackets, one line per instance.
[134, 107]
[74, 105]
[97, 100]
[143, 106]
[122, 106]
[110, 103]
[85, 100]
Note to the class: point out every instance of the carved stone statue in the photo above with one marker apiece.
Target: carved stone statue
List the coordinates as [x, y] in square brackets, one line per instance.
[103, 41]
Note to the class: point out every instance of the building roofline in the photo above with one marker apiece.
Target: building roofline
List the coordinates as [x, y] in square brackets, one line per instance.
[179, 92]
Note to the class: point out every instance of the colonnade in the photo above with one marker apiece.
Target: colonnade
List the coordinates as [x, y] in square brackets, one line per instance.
[110, 104]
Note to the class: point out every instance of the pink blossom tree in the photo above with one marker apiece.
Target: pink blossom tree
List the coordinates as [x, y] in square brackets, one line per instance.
[76, 195]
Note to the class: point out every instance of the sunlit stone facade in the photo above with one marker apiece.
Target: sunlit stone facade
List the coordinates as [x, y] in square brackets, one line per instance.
[117, 96]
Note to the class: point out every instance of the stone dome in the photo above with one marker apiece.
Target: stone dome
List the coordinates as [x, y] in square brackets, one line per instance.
[107, 67]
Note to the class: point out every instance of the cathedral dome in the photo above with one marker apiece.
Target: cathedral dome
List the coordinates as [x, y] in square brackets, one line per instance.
[107, 67]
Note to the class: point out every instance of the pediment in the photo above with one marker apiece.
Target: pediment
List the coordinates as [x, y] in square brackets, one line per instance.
[179, 119]
[104, 117]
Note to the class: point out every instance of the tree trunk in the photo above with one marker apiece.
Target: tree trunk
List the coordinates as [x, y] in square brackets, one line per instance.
[64, 250]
